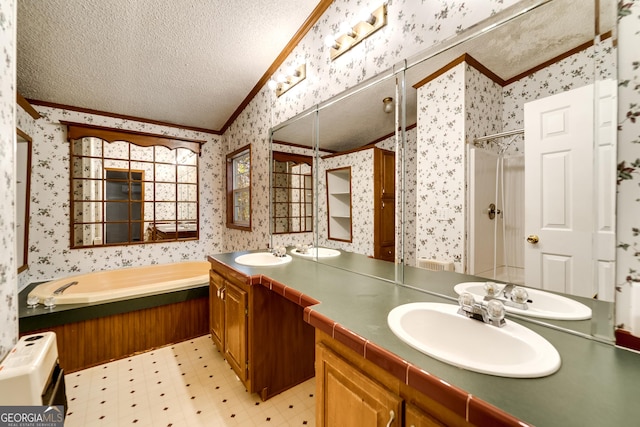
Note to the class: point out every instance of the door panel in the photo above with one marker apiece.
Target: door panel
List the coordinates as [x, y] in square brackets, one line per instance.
[349, 398]
[236, 329]
[559, 192]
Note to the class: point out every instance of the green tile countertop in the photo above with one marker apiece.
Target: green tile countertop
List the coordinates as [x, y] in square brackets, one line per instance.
[595, 385]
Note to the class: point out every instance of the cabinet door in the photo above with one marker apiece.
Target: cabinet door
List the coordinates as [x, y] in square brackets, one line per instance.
[235, 340]
[416, 417]
[216, 309]
[347, 397]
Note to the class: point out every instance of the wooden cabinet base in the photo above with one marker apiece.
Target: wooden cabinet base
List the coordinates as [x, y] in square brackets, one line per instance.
[262, 334]
[351, 389]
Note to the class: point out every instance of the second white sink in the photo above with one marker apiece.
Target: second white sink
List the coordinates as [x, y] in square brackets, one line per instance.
[317, 253]
[440, 332]
[544, 305]
[262, 259]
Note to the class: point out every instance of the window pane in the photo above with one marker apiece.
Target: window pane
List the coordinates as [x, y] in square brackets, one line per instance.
[241, 168]
[241, 207]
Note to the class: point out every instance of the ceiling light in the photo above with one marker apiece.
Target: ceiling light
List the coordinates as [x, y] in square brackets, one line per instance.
[387, 104]
[352, 35]
[283, 83]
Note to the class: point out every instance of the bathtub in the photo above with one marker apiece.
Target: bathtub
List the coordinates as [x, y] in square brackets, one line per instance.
[125, 283]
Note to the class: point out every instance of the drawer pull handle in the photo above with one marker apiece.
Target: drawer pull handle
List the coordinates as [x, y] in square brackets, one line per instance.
[392, 416]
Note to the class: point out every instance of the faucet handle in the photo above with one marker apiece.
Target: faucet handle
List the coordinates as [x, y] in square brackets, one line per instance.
[495, 311]
[491, 289]
[466, 301]
[519, 295]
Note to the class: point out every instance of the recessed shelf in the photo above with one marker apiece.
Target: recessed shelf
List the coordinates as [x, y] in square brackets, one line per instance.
[339, 204]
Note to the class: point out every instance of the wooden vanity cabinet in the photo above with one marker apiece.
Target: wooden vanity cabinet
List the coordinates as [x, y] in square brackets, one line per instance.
[353, 391]
[350, 398]
[261, 334]
[235, 329]
[216, 310]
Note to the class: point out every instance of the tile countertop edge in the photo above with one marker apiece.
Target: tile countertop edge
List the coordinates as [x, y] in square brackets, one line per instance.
[473, 409]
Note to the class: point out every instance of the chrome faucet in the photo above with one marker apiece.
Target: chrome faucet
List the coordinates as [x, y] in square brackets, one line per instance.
[512, 295]
[491, 313]
[279, 251]
[303, 248]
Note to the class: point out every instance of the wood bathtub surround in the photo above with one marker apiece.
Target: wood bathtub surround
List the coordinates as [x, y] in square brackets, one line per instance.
[95, 341]
[424, 396]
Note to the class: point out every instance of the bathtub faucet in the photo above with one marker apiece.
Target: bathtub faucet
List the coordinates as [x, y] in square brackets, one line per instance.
[63, 288]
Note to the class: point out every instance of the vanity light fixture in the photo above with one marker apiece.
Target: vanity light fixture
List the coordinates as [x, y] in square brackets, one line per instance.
[369, 23]
[387, 104]
[283, 83]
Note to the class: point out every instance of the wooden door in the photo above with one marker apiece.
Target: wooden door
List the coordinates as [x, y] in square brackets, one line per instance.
[216, 309]
[384, 170]
[559, 192]
[235, 340]
[346, 397]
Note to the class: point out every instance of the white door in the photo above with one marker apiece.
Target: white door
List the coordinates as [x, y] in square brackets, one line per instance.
[559, 192]
[606, 174]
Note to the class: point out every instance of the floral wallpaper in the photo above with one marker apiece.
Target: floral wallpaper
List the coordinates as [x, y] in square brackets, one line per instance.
[440, 169]
[412, 27]
[8, 267]
[628, 202]
[49, 253]
[361, 164]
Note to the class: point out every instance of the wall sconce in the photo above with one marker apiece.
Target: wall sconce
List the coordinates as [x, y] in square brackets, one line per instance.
[283, 83]
[370, 22]
[387, 104]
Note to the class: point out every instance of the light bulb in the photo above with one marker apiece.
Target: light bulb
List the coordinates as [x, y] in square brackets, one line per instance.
[347, 29]
[281, 78]
[367, 17]
[331, 42]
[272, 84]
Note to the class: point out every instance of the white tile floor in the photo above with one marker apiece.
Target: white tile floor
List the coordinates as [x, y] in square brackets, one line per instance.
[186, 384]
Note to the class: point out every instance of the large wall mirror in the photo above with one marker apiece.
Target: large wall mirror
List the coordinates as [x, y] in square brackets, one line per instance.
[473, 112]
[131, 188]
[23, 189]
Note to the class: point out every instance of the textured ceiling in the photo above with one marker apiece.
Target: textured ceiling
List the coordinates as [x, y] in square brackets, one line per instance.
[186, 62]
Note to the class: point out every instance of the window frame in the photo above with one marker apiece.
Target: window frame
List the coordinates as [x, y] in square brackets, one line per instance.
[231, 190]
[298, 159]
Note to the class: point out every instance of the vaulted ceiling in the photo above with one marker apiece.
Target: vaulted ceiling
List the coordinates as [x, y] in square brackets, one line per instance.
[187, 62]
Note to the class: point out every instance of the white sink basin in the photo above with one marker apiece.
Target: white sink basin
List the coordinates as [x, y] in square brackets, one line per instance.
[440, 332]
[317, 252]
[544, 305]
[262, 259]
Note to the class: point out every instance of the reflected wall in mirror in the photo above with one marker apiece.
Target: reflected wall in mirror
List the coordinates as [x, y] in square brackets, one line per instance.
[296, 137]
[485, 107]
[291, 193]
[131, 188]
[23, 190]
[470, 87]
[358, 132]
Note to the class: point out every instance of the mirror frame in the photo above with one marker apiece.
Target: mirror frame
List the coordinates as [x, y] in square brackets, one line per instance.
[22, 261]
